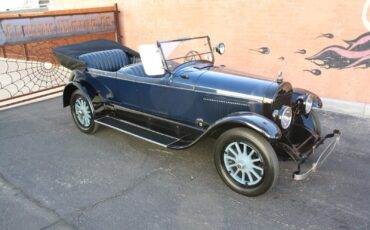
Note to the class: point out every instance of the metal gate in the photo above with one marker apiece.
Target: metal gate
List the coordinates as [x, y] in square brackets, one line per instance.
[28, 68]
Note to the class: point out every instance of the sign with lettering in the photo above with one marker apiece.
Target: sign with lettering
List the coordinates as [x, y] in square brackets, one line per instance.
[21, 30]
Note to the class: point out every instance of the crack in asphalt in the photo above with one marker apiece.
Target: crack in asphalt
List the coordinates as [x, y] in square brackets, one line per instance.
[35, 202]
[116, 195]
[54, 224]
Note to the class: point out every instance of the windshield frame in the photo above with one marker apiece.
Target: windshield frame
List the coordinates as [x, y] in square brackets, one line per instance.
[165, 61]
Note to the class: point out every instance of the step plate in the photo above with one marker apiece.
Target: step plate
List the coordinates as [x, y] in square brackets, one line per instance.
[137, 131]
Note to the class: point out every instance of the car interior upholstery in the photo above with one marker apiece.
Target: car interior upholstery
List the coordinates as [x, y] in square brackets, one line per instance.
[107, 60]
[134, 70]
[114, 60]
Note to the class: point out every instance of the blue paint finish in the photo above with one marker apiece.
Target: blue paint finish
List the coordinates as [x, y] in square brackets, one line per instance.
[126, 90]
[255, 121]
[195, 100]
[182, 103]
[151, 95]
[223, 82]
[212, 107]
[259, 123]
[219, 93]
[97, 85]
[194, 91]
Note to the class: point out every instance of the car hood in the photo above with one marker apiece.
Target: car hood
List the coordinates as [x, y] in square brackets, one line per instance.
[231, 83]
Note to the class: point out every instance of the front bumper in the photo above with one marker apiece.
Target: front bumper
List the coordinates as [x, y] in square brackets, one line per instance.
[298, 175]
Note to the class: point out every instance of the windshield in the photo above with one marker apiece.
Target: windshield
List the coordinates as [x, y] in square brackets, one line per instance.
[185, 50]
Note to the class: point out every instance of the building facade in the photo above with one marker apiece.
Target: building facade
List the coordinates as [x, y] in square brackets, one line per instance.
[323, 46]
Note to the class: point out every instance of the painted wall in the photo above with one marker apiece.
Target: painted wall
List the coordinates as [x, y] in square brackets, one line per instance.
[266, 36]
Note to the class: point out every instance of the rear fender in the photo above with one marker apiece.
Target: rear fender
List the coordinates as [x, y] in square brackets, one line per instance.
[71, 87]
[92, 89]
[92, 83]
[96, 103]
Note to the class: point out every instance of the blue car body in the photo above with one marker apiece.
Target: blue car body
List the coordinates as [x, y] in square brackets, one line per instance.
[174, 95]
[198, 99]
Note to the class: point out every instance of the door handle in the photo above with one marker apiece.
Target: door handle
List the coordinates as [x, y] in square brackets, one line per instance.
[184, 76]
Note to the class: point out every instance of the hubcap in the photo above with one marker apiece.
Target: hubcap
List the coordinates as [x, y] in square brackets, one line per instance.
[243, 163]
[83, 112]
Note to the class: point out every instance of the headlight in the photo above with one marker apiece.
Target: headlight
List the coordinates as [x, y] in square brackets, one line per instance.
[308, 104]
[285, 116]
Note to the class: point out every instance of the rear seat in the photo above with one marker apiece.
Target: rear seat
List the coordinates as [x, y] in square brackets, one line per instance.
[107, 60]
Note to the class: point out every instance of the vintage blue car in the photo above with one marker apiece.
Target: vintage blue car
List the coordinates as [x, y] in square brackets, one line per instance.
[172, 94]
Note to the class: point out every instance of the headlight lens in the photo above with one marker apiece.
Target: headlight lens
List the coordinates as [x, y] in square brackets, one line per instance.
[286, 116]
[308, 104]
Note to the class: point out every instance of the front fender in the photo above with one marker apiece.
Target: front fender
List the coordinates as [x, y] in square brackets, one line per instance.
[259, 123]
[256, 122]
[317, 103]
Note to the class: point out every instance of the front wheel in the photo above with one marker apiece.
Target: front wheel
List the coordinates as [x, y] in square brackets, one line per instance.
[82, 113]
[246, 161]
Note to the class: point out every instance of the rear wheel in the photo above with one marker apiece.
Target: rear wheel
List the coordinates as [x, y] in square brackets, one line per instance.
[82, 113]
[246, 161]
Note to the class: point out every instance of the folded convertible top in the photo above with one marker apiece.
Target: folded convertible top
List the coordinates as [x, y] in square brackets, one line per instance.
[68, 55]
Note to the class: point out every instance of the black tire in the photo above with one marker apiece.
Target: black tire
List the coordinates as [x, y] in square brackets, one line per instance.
[316, 122]
[257, 143]
[88, 127]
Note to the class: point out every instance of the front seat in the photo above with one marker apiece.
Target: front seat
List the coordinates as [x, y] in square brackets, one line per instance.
[135, 70]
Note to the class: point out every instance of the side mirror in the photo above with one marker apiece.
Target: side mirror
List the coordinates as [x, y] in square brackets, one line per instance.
[151, 59]
[220, 48]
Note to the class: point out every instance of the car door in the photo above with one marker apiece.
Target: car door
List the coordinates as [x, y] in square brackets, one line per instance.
[152, 95]
[142, 93]
[170, 96]
[126, 91]
[181, 100]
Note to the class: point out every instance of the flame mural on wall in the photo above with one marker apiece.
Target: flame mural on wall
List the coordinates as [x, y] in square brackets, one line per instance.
[365, 10]
[357, 54]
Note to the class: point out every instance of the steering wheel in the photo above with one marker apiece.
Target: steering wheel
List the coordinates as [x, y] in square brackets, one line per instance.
[192, 56]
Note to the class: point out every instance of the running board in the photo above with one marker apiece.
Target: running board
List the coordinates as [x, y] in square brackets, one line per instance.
[137, 131]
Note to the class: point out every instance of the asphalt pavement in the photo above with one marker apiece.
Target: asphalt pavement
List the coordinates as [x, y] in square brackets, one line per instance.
[52, 176]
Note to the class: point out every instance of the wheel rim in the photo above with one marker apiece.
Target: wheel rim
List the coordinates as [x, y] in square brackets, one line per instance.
[243, 163]
[83, 113]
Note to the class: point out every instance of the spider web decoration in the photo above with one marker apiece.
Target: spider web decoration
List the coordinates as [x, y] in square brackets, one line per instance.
[26, 70]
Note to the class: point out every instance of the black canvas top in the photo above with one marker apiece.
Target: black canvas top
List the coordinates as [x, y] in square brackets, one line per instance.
[68, 55]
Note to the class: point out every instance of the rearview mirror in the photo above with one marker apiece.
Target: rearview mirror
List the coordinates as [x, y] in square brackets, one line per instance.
[220, 48]
[151, 59]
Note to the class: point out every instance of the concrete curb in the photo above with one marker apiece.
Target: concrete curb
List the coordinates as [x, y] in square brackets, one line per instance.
[57, 94]
[346, 107]
[30, 98]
